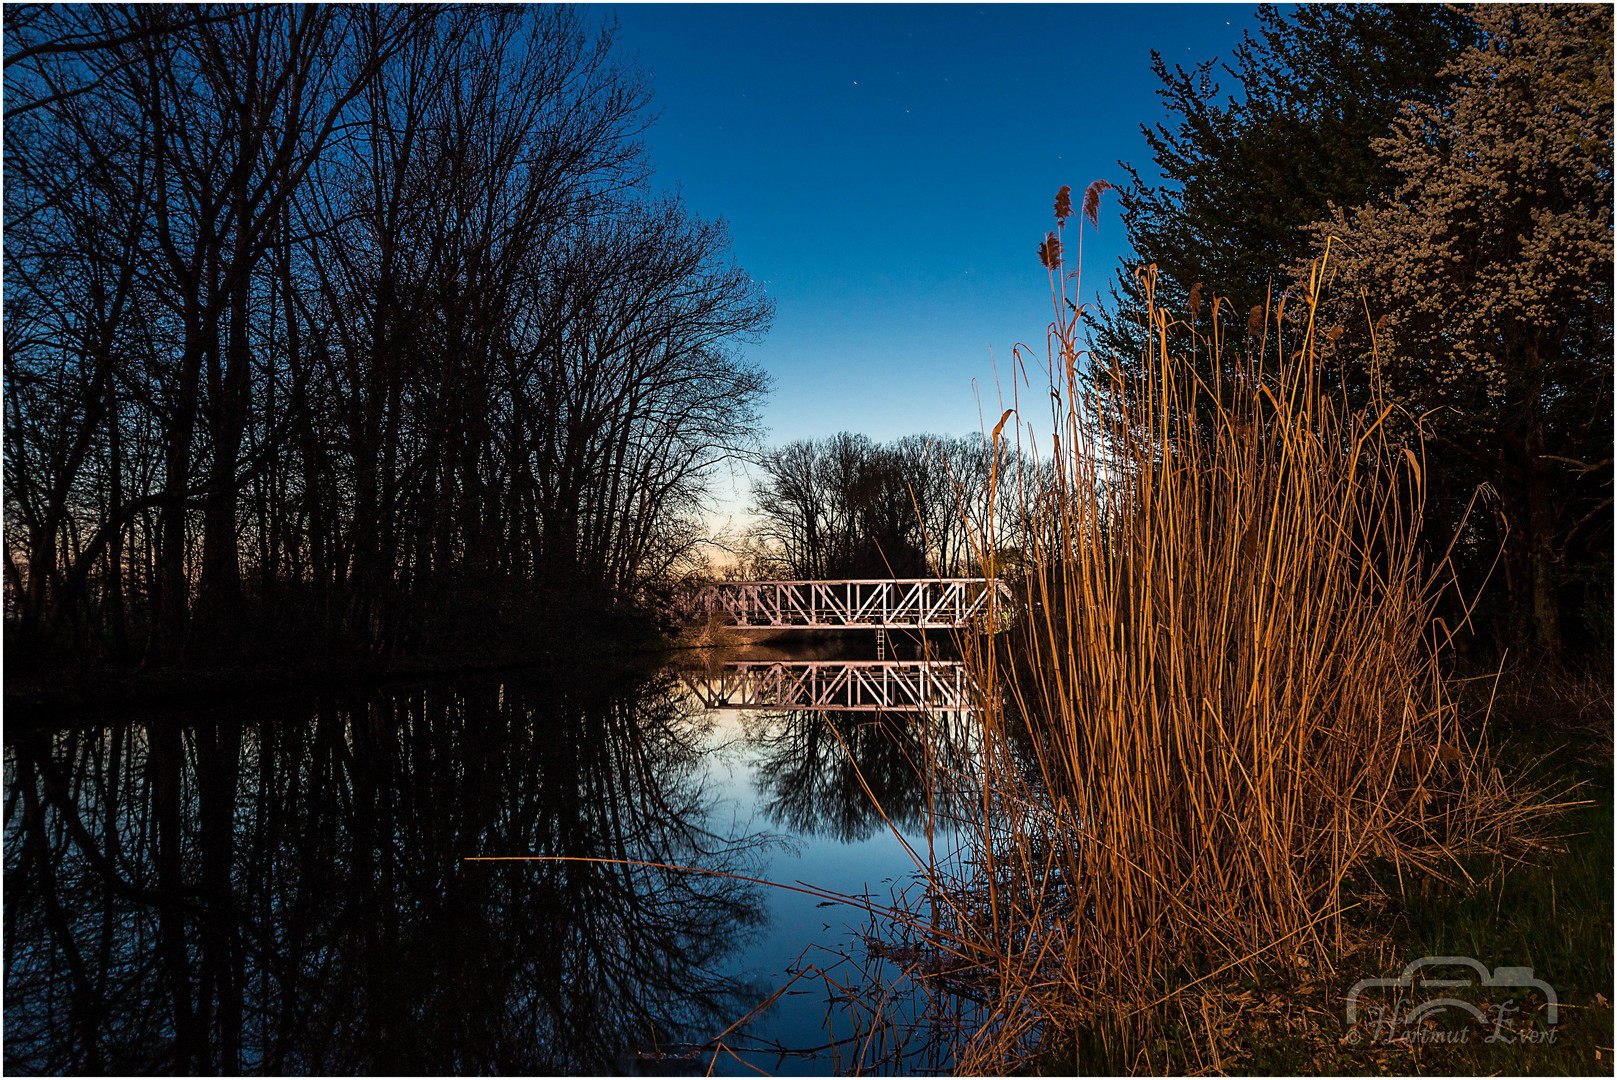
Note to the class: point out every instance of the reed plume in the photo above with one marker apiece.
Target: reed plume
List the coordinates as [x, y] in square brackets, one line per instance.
[1064, 204]
[1092, 196]
[1050, 251]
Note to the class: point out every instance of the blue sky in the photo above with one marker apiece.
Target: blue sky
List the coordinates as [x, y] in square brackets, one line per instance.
[888, 172]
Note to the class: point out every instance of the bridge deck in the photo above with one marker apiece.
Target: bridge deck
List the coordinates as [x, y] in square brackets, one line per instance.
[917, 603]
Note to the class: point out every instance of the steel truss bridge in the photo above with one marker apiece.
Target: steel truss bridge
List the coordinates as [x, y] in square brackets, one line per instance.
[838, 686]
[879, 603]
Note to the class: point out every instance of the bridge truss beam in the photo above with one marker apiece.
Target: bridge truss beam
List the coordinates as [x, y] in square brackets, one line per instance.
[919, 603]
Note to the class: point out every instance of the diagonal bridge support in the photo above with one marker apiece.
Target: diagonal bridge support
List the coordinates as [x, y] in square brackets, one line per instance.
[880, 603]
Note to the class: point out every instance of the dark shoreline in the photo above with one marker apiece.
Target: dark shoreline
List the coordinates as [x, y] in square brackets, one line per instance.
[64, 695]
[56, 689]
[64, 691]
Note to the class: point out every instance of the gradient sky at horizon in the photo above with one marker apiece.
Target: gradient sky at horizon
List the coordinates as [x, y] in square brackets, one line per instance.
[888, 172]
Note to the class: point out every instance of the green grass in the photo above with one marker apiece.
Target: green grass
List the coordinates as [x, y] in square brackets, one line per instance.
[1553, 914]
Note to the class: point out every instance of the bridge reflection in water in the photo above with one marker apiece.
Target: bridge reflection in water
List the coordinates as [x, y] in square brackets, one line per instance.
[897, 686]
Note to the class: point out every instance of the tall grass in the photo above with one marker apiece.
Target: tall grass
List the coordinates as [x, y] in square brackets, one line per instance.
[1223, 694]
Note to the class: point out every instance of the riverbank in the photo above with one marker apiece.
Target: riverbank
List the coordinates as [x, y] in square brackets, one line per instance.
[46, 685]
[65, 692]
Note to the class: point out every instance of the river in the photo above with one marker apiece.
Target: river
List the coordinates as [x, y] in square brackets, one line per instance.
[298, 885]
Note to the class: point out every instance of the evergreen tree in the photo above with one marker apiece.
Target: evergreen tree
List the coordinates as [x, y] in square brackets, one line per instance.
[1243, 177]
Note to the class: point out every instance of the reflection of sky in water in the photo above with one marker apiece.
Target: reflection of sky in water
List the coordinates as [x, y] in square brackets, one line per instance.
[804, 928]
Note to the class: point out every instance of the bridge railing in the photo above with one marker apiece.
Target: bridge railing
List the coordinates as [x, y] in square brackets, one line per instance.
[918, 603]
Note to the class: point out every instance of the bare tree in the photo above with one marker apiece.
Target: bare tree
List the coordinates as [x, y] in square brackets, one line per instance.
[361, 306]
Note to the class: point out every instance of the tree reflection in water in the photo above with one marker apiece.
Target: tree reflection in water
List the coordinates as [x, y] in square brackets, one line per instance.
[812, 764]
[283, 891]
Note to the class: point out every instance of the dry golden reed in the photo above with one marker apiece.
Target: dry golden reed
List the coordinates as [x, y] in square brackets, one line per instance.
[1222, 695]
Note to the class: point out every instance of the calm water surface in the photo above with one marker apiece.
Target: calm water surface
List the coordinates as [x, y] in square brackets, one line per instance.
[283, 886]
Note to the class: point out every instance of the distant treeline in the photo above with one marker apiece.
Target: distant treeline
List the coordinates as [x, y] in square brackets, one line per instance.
[315, 316]
[848, 507]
